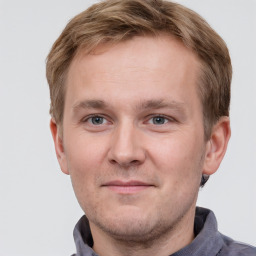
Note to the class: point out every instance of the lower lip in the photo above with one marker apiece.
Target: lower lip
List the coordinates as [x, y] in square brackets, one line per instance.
[127, 189]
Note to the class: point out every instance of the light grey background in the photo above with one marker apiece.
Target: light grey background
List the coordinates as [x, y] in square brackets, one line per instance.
[38, 209]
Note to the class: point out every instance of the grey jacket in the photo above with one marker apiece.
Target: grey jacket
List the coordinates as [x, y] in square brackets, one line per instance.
[208, 241]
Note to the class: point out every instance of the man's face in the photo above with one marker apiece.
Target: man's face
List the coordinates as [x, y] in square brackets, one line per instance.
[133, 137]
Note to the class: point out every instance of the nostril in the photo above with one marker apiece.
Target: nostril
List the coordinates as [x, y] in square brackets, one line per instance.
[112, 161]
[124, 163]
[134, 162]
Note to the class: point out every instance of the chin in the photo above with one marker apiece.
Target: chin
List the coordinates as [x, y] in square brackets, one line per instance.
[132, 226]
[129, 229]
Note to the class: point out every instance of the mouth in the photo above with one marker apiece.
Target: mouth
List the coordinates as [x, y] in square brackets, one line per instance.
[129, 187]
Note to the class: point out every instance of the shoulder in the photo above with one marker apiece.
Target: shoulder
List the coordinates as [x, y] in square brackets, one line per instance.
[234, 248]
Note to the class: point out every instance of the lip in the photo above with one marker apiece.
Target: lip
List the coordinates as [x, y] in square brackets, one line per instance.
[127, 187]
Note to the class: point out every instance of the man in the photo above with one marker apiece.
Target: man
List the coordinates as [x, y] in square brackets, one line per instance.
[140, 93]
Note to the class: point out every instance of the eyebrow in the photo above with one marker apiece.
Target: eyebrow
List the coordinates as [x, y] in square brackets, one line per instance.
[143, 105]
[161, 103]
[90, 104]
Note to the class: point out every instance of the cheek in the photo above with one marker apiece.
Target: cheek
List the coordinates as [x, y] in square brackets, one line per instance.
[83, 165]
[84, 152]
[179, 157]
[85, 156]
[180, 167]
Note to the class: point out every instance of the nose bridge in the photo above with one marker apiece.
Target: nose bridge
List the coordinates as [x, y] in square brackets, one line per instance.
[126, 147]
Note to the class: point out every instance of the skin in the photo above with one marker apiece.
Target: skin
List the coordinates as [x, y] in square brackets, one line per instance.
[133, 144]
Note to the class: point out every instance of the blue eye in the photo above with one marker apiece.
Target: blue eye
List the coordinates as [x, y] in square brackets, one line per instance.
[158, 120]
[97, 120]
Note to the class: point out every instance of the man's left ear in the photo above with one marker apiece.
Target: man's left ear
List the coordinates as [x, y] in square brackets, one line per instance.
[217, 145]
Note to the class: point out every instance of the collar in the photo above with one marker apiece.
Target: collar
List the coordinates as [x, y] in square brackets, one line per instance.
[208, 240]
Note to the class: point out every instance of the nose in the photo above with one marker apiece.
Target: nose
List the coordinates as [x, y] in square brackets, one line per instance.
[126, 146]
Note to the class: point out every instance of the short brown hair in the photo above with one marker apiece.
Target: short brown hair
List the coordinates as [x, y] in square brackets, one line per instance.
[118, 20]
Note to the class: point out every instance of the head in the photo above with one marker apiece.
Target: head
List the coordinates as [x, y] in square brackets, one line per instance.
[140, 95]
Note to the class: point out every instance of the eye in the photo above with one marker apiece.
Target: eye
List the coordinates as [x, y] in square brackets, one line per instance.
[158, 120]
[97, 120]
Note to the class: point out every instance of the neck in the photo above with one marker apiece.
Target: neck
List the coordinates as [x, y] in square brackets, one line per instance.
[172, 241]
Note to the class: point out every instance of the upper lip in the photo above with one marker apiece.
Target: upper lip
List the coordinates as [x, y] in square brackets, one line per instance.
[126, 183]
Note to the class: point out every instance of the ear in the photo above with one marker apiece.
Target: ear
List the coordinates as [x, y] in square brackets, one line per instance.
[59, 148]
[217, 145]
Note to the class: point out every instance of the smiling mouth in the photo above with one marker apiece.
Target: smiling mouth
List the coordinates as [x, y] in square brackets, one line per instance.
[129, 187]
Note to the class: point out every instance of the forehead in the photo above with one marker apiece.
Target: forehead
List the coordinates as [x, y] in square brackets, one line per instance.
[154, 52]
[146, 65]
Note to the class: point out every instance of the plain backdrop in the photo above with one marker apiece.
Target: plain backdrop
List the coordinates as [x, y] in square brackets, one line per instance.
[38, 209]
